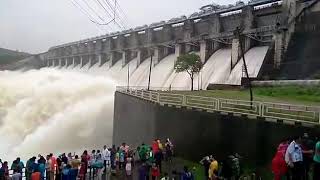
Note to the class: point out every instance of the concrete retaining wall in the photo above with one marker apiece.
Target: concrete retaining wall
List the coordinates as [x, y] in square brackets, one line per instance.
[286, 83]
[196, 134]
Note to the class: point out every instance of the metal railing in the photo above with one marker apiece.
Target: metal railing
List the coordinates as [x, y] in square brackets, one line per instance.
[288, 112]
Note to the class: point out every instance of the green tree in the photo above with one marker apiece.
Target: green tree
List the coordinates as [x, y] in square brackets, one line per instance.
[191, 63]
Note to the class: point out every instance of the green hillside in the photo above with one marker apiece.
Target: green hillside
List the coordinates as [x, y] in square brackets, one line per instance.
[9, 56]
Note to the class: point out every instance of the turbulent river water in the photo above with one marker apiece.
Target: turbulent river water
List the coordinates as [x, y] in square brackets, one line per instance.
[49, 110]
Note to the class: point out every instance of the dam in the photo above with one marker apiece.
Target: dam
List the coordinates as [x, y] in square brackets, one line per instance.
[267, 27]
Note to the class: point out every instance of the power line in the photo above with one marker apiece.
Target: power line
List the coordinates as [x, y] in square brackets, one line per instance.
[89, 16]
[114, 18]
[114, 9]
[93, 10]
[124, 14]
[99, 3]
[93, 19]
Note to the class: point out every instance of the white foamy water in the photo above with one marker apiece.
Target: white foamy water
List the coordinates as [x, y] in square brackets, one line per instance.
[51, 110]
[254, 59]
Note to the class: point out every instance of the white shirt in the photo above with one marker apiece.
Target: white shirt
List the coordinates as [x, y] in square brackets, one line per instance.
[16, 176]
[295, 152]
[106, 154]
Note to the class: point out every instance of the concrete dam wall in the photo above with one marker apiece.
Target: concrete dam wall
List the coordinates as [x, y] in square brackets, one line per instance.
[197, 134]
[209, 33]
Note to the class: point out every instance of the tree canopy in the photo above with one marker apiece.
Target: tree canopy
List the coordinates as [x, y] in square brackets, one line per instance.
[190, 63]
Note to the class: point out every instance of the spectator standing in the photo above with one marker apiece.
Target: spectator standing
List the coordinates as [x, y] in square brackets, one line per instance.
[307, 146]
[106, 157]
[316, 160]
[129, 166]
[169, 151]
[92, 157]
[29, 168]
[294, 159]
[75, 163]
[143, 172]
[121, 159]
[213, 169]
[206, 164]
[279, 166]
[60, 166]
[117, 158]
[84, 165]
[155, 172]
[49, 169]
[158, 159]
[113, 152]
[41, 168]
[5, 170]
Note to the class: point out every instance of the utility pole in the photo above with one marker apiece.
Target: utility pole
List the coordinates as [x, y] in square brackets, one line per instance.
[128, 85]
[149, 80]
[238, 35]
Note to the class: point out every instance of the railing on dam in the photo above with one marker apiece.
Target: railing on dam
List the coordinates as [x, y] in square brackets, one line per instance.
[277, 111]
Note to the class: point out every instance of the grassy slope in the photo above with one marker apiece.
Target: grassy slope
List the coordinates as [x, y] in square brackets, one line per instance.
[289, 94]
[8, 56]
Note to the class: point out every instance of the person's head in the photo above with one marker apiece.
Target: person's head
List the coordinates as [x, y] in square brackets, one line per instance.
[85, 152]
[207, 158]
[33, 159]
[76, 157]
[98, 151]
[113, 146]
[48, 157]
[158, 141]
[93, 151]
[123, 144]
[105, 147]
[51, 154]
[237, 156]
[69, 154]
[118, 148]
[297, 139]
[43, 159]
[18, 159]
[5, 163]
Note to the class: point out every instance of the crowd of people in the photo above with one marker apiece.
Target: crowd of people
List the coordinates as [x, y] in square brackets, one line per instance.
[115, 161]
[297, 158]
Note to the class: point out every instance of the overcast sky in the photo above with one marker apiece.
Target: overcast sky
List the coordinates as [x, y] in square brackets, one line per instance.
[36, 25]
